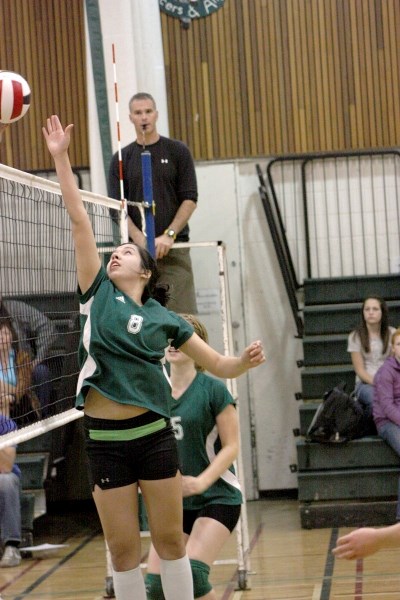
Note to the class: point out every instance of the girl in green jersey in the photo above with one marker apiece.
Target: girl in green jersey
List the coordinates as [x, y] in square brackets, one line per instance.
[130, 442]
[206, 427]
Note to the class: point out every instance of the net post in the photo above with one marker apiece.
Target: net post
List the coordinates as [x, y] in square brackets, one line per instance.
[148, 201]
[242, 531]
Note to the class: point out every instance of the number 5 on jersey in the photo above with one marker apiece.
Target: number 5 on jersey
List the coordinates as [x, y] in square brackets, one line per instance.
[177, 427]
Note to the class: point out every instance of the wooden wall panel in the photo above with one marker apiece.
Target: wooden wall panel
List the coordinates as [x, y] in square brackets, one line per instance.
[255, 78]
[270, 77]
[44, 41]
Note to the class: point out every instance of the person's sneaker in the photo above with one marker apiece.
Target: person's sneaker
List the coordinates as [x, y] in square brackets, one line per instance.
[11, 557]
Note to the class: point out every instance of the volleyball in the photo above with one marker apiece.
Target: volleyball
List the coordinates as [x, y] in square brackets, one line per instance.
[15, 97]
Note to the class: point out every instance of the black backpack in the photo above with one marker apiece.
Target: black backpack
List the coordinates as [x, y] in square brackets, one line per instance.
[339, 418]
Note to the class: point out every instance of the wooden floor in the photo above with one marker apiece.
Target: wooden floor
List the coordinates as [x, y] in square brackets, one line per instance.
[287, 562]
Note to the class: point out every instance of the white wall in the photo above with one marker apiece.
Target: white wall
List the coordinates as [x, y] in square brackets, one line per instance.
[230, 210]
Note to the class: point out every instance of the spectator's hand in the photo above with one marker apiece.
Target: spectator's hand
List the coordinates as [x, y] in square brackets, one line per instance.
[253, 355]
[358, 544]
[163, 245]
[191, 486]
[57, 138]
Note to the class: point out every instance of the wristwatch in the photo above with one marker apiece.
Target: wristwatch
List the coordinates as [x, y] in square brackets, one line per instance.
[170, 233]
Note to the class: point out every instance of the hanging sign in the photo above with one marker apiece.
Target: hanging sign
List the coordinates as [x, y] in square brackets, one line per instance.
[190, 9]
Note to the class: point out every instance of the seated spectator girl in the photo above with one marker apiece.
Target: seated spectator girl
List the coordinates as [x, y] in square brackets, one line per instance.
[36, 334]
[17, 399]
[369, 345]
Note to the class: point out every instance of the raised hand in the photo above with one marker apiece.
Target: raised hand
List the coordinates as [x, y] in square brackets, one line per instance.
[253, 355]
[57, 138]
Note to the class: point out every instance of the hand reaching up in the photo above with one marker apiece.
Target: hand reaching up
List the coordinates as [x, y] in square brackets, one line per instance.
[57, 138]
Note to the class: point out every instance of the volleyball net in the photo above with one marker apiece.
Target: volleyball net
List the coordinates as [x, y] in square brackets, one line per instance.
[38, 291]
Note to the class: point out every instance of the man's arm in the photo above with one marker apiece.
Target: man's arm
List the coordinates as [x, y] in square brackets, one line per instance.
[366, 541]
[183, 215]
[163, 242]
[44, 332]
[135, 234]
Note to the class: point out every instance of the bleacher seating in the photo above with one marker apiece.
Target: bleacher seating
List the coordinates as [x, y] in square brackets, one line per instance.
[355, 483]
[41, 457]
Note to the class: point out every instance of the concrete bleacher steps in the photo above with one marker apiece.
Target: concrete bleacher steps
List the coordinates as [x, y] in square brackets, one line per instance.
[316, 380]
[34, 467]
[342, 317]
[366, 452]
[363, 469]
[33, 458]
[326, 349]
[306, 413]
[349, 484]
[356, 483]
[348, 513]
[337, 290]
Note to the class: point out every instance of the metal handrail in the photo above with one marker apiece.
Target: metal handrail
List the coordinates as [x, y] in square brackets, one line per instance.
[282, 250]
[305, 159]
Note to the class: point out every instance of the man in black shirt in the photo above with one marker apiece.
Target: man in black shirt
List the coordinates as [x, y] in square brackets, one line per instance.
[175, 197]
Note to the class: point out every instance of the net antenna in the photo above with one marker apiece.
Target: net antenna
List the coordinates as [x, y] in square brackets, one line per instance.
[124, 211]
[242, 530]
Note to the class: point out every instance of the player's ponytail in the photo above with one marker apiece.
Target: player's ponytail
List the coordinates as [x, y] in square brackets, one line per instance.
[160, 292]
[154, 289]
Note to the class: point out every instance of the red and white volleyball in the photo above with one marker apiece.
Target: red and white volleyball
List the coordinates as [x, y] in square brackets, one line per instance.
[15, 96]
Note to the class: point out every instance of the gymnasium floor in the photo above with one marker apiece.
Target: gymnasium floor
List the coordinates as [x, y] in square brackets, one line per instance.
[287, 562]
